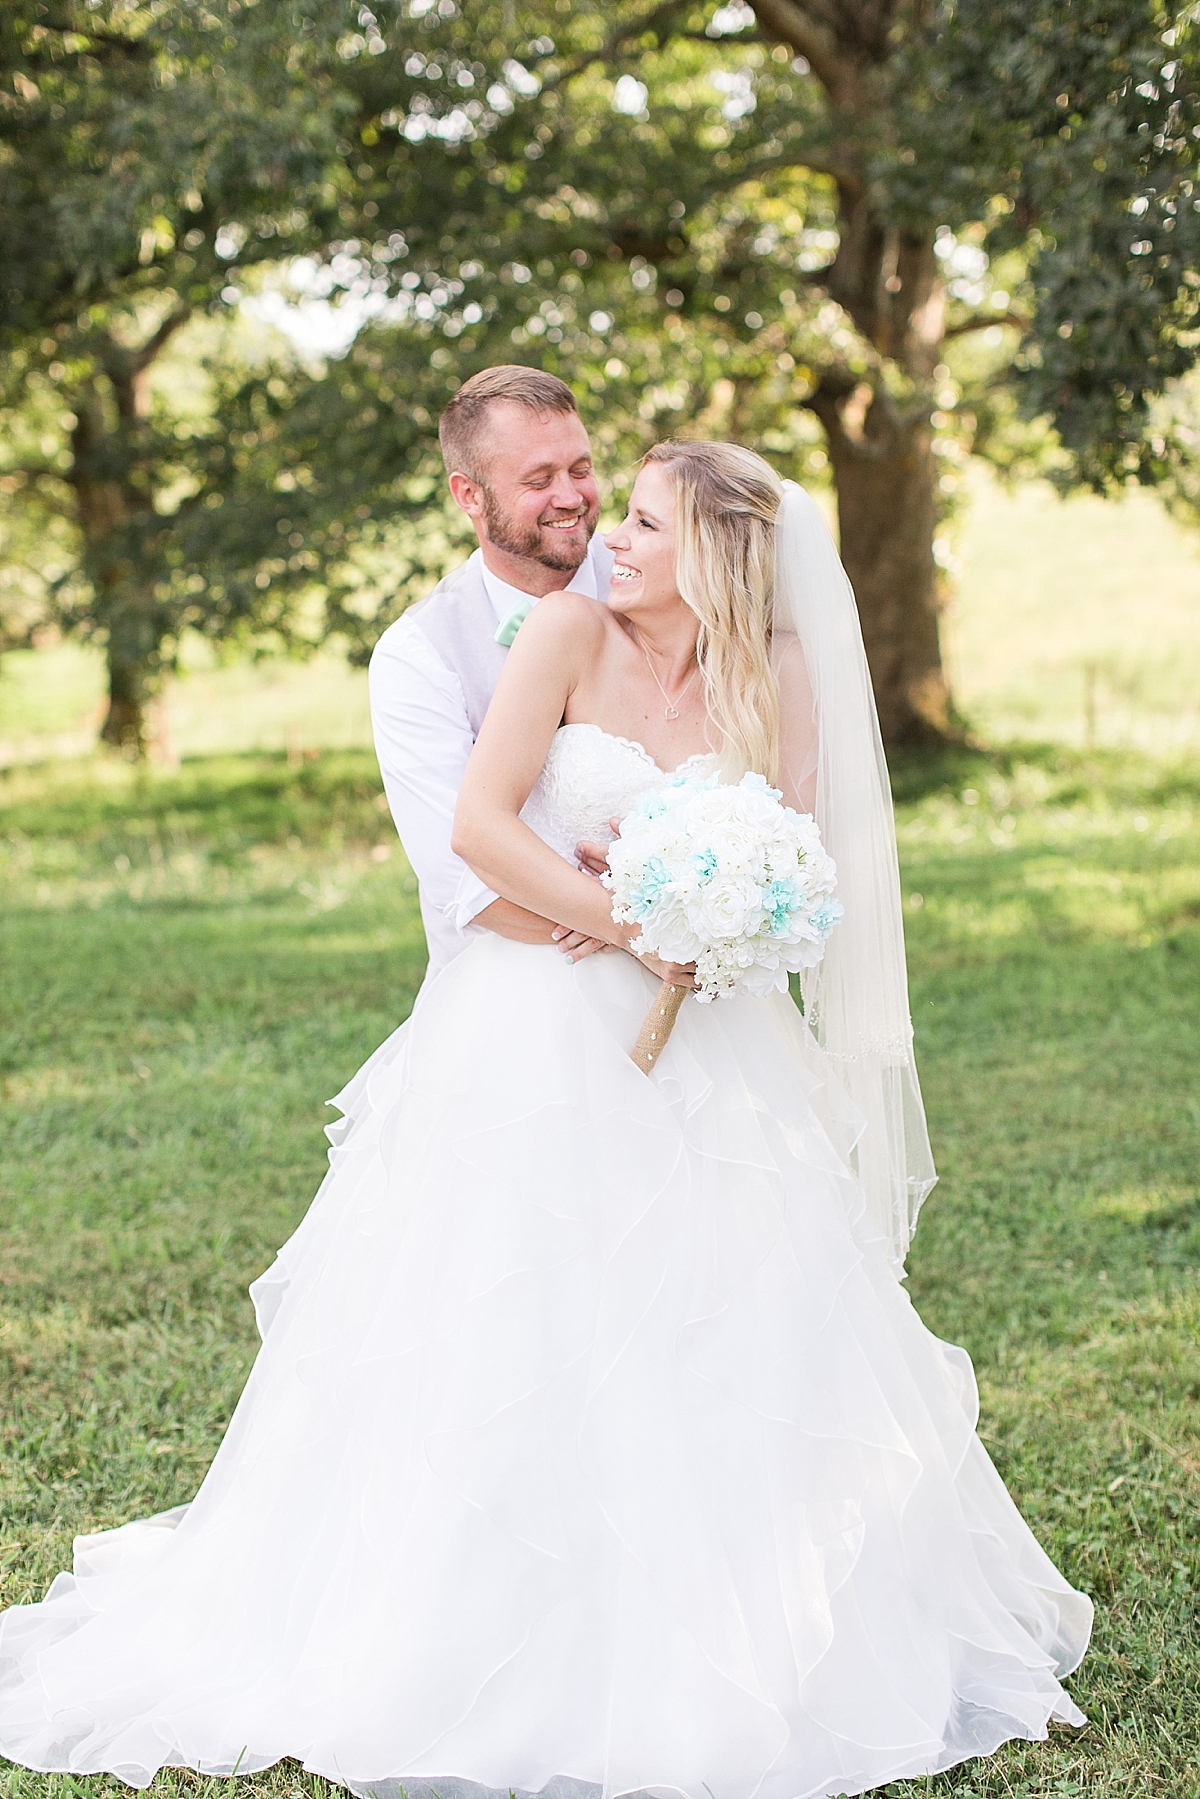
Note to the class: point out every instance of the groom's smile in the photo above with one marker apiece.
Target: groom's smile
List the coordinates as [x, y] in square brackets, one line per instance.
[533, 495]
[557, 542]
[573, 524]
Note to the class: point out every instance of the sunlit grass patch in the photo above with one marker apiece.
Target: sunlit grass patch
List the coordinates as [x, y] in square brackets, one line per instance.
[1075, 621]
[103, 833]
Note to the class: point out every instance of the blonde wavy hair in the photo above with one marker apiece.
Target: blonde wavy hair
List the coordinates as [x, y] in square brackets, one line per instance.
[726, 499]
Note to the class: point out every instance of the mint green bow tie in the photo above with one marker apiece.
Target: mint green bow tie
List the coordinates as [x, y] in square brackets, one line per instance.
[512, 624]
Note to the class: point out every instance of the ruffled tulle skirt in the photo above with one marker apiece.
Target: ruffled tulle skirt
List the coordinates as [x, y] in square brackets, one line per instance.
[592, 1445]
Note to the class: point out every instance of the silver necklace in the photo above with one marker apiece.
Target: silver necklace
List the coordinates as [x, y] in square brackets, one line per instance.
[672, 711]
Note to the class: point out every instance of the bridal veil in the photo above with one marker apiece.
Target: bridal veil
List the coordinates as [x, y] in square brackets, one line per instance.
[856, 999]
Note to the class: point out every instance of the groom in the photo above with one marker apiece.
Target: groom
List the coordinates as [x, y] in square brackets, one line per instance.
[520, 465]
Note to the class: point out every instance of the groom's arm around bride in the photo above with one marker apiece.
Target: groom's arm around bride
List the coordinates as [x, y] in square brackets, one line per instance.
[520, 465]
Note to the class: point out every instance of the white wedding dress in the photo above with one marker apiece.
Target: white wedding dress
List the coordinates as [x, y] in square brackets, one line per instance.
[593, 1445]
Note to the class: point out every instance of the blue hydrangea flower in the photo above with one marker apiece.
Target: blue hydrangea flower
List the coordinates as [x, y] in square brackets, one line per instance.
[780, 899]
[827, 915]
[761, 783]
[706, 864]
[656, 880]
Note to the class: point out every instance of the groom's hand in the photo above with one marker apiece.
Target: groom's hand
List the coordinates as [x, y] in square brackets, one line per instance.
[520, 926]
[574, 945]
[593, 857]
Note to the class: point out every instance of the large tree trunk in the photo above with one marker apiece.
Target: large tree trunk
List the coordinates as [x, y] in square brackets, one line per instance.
[885, 474]
[886, 277]
[881, 449]
[129, 689]
[116, 517]
[108, 513]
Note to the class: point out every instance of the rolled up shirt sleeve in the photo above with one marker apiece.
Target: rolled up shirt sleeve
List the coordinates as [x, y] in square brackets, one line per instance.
[423, 739]
[470, 898]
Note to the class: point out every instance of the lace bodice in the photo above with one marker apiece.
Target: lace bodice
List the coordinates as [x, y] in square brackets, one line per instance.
[589, 777]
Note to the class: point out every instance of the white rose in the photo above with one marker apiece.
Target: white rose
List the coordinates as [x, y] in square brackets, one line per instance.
[669, 934]
[716, 806]
[738, 848]
[727, 906]
[762, 980]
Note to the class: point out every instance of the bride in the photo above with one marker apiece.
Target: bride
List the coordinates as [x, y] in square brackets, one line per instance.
[594, 1444]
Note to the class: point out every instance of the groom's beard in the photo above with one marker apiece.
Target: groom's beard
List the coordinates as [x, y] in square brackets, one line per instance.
[541, 542]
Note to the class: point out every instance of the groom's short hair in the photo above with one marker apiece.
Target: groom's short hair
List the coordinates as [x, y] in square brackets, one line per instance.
[462, 425]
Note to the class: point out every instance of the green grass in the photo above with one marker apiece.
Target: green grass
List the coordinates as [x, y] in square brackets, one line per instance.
[192, 963]
[52, 703]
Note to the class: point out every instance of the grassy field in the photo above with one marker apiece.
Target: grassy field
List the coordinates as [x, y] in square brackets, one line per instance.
[1076, 621]
[192, 962]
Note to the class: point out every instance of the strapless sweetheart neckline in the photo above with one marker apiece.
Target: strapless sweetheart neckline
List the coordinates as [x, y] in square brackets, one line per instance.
[631, 743]
[590, 777]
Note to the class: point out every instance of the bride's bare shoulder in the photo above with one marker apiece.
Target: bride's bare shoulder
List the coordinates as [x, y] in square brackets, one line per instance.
[558, 616]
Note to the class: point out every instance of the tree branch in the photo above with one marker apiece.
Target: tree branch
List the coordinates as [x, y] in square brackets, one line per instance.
[131, 46]
[636, 239]
[141, 359]
[617, 39]
[707, 37]
[997, 318]
[847, 179]
[790, 23]
[126, 368]
[828, 399]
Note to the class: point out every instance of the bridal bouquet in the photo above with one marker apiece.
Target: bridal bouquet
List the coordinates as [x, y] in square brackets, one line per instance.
[726, 877]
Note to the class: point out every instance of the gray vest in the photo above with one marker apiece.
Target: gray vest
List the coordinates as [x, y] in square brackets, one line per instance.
[460, 622]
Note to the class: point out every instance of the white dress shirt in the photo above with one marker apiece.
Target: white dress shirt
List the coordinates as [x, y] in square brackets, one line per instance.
[423, 739]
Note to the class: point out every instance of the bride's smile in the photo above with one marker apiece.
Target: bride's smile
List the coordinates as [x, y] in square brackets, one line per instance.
[643, 547]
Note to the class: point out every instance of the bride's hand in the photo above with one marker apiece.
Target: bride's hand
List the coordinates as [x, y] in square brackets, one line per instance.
[679, 975]
[593, 857]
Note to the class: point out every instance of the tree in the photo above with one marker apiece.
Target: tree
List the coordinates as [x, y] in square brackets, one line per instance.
[784, 223]
[1067, 132]
[800, 180]
[130, 140]
[160, 159]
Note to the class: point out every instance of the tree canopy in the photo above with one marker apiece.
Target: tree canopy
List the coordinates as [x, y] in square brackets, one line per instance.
[864, 235]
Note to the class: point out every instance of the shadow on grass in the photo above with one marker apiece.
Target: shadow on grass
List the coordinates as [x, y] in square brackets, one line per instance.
[1073, 775]
[250, 792]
